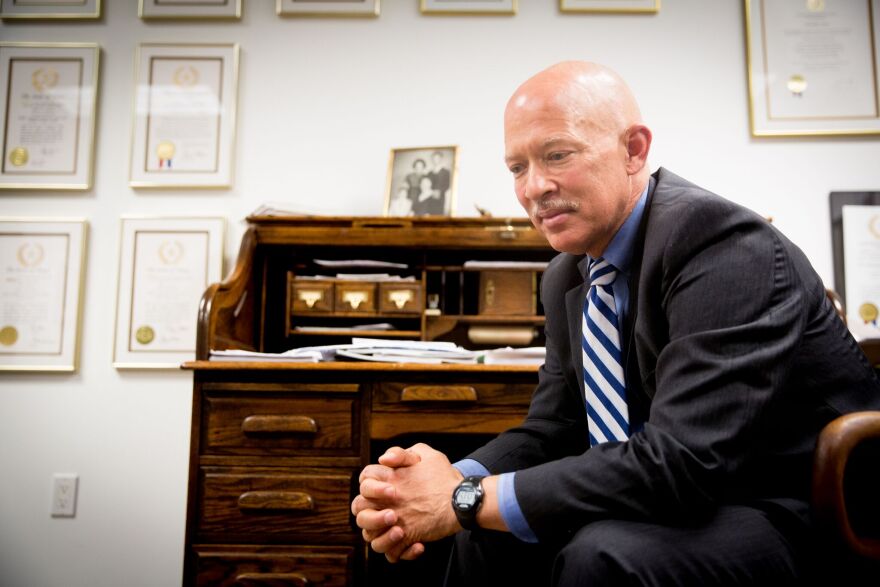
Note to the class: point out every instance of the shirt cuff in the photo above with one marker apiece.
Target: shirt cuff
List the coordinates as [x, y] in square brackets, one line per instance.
[510, 510]
[470, 467]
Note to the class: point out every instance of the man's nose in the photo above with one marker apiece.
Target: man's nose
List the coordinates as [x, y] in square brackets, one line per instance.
[538, 184]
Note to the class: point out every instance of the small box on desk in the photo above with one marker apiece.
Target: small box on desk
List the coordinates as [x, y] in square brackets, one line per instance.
[507, 293]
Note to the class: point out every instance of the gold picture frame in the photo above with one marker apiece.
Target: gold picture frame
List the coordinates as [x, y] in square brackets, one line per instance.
[165, 265]
[45, 85]
[610, 6]
[797, 87]
[198, 81]
[188, 10]
[464, 8]
[336, 8]
[421, 181]
[49, 9]
[43, 264]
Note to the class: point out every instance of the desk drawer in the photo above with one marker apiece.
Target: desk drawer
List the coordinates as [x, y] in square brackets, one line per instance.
[393, 396]
[278, 425]
[264, 566]
[258, 502]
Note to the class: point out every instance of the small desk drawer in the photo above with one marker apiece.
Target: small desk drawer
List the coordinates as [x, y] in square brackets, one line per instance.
[260, 501]
[355, 297]
[400, 297]
[265, 566]
[394, 396]
[311, 296]
[280, 425]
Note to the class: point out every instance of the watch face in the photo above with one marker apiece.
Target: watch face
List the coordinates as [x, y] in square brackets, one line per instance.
[465, 497]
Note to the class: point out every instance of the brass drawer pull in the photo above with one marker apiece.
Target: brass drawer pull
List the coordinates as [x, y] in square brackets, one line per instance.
[438, 393]
[271, 580]
[279, 424]
[276, 500]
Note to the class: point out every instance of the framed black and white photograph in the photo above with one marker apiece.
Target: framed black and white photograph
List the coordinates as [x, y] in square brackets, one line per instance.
[189, 9]
[48, 97]
[421, 181]
[468, 7]
[184, 116]
[327, 7]
[49, 9]
[614, 6]
[42, 261]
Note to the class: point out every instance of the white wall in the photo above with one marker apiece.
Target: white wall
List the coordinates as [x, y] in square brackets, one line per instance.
[321, 101]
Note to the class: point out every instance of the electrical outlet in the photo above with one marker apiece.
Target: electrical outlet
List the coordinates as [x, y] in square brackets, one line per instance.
[64, 487]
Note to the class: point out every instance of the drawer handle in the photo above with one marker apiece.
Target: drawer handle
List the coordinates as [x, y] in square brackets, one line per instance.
[276, 500]
[279, 424]
[354, 298]
[271, 579]
[310, 296]
[400, 297]
[438, 393]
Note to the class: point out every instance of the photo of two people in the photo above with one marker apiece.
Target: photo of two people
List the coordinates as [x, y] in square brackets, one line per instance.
[421, 181]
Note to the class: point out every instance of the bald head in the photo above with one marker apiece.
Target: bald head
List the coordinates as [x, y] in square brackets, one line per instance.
[577, 149]
[591, 93]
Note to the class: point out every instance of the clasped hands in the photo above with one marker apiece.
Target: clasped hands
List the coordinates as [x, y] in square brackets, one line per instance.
[405, 501]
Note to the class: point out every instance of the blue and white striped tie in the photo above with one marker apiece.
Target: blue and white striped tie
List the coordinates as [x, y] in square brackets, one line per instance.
[604, 384]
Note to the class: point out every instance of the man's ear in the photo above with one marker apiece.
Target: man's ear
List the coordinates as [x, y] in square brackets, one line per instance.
[638, 144]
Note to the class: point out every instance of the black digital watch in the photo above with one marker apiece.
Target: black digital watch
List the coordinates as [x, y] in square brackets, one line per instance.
[466, 501]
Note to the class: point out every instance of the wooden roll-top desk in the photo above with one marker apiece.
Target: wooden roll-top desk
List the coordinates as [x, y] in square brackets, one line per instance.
[277, 446]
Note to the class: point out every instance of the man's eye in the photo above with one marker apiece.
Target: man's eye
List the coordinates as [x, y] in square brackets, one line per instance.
[516, 169]
[557, 156]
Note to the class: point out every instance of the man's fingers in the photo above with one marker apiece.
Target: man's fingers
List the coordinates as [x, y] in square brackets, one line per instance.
[385, 543]
[413, 552]
[396, 457]
[378, 490]
[376, 520]
[379, 472]
[360, 503]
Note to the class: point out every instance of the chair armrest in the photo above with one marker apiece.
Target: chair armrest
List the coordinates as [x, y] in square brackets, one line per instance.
[833, 450]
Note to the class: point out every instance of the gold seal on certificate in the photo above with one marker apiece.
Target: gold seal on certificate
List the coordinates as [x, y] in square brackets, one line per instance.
[797, 84]
[868, 312]
[816, 5]
[145, 335]
[171, 252]
[185, 76]
[165, 153]
[44, 78]
[8, 335]
[30, 254]
[18, 156]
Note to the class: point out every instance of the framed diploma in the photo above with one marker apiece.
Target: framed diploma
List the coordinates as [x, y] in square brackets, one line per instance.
[327, 7]
[855, 238]
[42, 262]
[184, 116]
[812, 67]
[190, 9]
[165, 265]
[609, 5]
[454, 7]
[47, 100]
[421, 181]
[38, 9]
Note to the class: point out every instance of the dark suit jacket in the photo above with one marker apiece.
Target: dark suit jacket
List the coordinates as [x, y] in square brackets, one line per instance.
[735, 360]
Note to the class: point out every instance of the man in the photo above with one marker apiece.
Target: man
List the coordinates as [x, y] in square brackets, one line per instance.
[441, 177]
[692, 359]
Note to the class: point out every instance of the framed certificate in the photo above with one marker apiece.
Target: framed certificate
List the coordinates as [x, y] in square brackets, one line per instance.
[42, 261]
[855, 237]
[190, 9]
[47, 99]
[327, 7]
[609, 5]
[454, 7]
[165, 265]
[812, 67]
[184, 116]
[421, 181]
[38, 9]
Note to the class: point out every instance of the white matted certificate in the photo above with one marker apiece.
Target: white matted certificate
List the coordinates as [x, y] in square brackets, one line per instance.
[861, 248]
[165, 266]
[189, 9]
[812, 66]
[49, 9]
[47, 99]
[42, 266]
[184, 119]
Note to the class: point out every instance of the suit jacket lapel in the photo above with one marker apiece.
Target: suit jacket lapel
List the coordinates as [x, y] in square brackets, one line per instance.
[574, 306]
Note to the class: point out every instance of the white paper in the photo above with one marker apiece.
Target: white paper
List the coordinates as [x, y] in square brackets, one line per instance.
[861, 253]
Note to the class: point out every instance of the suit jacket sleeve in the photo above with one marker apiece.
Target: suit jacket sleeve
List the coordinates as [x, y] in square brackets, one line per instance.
[720, 311]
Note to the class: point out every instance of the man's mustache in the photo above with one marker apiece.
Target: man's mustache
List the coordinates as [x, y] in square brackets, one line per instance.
[552, 205]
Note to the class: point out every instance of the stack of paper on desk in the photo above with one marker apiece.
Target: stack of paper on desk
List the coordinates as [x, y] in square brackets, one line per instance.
[515, 356]
[407, 351]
